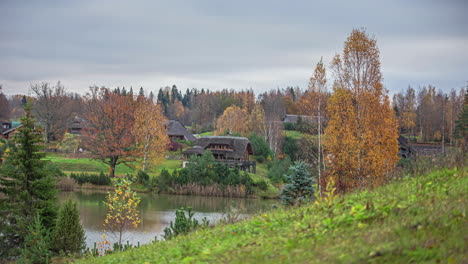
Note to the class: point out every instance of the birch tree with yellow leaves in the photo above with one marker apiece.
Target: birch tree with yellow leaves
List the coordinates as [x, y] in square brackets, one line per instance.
[149, 132]
[232, 121]
[122, 209]
[362, 132]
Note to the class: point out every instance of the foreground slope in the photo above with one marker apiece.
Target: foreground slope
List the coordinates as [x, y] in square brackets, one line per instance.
[422, 219]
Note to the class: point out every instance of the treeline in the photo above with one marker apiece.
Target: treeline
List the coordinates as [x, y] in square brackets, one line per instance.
[428, 114]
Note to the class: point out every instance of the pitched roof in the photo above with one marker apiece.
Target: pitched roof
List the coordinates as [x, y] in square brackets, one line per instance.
[294, 118]
[238, 144]
[175, 128]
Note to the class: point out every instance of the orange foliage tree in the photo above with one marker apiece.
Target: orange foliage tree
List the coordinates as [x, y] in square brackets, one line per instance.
[362, 132]
[233, 121]
[110, 120]
[149, 132]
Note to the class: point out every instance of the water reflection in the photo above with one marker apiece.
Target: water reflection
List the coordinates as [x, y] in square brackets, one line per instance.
[157, 211]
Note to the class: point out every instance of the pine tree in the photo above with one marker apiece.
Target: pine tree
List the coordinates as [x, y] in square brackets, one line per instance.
[36, 244]
[461, 127]
[300, 185]
[68, 235]
[27, 189]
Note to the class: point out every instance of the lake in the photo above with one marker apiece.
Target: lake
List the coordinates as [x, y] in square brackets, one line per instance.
[157, 211]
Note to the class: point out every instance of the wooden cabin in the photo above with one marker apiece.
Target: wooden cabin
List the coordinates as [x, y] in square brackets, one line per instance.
[233, 151]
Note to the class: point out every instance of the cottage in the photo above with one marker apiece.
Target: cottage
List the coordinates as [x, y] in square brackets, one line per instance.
[233, 151]
[294, 118]
[8, 128]
[175, 130]
[76, 125]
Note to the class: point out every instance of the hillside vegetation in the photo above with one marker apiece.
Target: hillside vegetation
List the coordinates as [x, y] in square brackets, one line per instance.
[417, 219]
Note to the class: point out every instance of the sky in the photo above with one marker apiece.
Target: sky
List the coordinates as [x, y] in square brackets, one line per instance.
[214, 45]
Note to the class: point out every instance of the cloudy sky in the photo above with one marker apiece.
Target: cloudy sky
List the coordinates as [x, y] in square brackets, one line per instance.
[224, 44]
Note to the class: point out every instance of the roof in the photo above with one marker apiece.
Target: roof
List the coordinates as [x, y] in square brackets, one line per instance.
[175, 128]
[6, 132]
[294, 118]
[238, 144]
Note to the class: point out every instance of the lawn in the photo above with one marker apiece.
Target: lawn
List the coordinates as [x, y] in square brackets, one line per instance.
[209, 133]
[69, 165]
[413, 220]
[293, 134]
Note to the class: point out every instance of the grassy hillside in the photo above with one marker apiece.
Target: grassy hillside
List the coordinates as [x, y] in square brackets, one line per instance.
[422, 219]
[68, 165]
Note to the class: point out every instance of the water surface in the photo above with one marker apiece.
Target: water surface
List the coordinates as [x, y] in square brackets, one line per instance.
[157, 211]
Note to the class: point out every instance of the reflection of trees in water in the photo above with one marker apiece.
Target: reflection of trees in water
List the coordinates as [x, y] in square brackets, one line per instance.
[203, 203]
[158, 210]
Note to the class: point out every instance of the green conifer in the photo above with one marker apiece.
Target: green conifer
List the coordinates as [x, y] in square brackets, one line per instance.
[36, 244]
[68, 235]
[26, 187]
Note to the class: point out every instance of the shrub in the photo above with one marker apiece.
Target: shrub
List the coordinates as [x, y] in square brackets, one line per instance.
[36, 244]
[68, 235]
[96, 179]
[290, 148]
[143, 178]
[260, 147]
[277, 170]
[300, 186]
[183, 224]
[262, 185]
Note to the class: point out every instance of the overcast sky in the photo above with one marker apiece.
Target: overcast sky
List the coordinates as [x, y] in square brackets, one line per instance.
[224, 44]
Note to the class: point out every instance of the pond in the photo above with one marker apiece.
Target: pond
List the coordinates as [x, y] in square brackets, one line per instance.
[157, 211]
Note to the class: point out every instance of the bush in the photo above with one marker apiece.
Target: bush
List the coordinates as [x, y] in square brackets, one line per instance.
[68, 235]
[300, 186]
[277, 170]
[143, 178]
[262, 185]
[261, 149]
[36, 244]
[290, 148]
[96, 179]
[183, 224]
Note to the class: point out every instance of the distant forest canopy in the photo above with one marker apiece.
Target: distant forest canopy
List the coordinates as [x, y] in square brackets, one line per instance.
[426, 113]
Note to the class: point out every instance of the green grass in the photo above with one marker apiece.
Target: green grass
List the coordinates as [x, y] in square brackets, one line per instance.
[69, 165]
[293, 134]
[417, 220]
[209, 133]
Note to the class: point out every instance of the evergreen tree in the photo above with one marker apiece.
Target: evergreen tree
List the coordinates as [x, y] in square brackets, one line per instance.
[461, 127]
[27, 189]
[300, 185]
[142, 92]
[68, 235]
[151, 96]
[36, 244]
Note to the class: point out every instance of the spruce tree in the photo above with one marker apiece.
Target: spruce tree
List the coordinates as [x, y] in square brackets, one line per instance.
[68, 235]
[300, 185]
[26, 187]
[36, 244]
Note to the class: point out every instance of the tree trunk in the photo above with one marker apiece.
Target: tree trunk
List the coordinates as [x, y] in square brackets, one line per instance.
[113, 164]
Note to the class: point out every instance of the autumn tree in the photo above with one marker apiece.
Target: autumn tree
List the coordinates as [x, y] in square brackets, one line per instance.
[256, 120]
[461, 128]
[122, 209]
[52, 109]
[232, 121]
[313, 104]
[109, 133]
[149, 132]
[361, 136]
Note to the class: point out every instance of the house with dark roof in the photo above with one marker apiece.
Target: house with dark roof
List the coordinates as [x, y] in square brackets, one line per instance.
[294, 118]
[175, 130]
[232, 151]
[76, 125]
[8, 128]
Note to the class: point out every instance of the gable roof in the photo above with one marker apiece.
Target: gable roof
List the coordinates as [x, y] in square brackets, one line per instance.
[238, 144]
[294, 118]
[175, 128]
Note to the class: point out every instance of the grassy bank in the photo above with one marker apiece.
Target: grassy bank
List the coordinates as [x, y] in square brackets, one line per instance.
[422, 219]
[69, 165]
